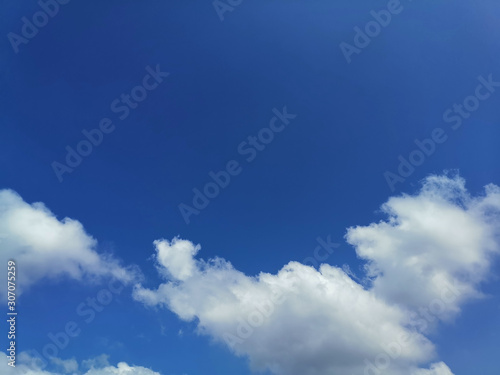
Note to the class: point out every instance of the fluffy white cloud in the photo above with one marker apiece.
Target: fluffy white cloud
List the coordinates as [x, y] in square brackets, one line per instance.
[27, 365]
[307, 317]
[299, 321]
[435, 246]
[177, 260]
[46, 247]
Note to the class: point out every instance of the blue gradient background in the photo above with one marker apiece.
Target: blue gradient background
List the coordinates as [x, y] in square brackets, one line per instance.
[321, 175]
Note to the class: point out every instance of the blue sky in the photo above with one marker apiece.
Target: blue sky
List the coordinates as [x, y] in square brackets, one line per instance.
[326, 171]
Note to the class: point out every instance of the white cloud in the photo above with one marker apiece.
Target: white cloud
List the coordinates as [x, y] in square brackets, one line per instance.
[441, 239]
[27, 365]
[303, 321]
[299, 321]
[177, 258]
[45, 247]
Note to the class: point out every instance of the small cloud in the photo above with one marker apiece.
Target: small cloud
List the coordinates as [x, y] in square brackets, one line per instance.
[99, 361]
[67, 365]
[28, 365]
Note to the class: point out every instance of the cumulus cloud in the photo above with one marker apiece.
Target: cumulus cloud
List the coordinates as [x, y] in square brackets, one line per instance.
[46, 247]
[27, 365]
[299, 321]
[435, 246]
[439, 240]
